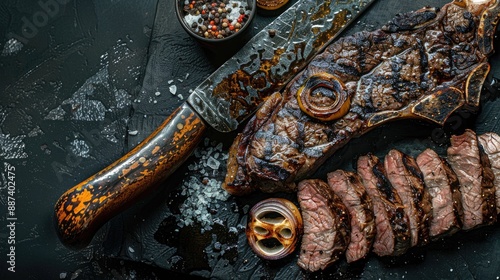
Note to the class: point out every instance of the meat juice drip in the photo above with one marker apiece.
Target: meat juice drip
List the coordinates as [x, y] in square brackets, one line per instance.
[453, 218]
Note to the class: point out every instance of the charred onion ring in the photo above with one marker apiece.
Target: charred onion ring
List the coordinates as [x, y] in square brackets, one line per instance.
[324, 97]
[274, 226]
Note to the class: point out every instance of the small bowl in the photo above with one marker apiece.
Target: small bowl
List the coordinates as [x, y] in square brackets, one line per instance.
[233, 40]
[272, 7]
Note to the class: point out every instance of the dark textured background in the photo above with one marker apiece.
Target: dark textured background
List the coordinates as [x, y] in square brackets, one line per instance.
[94, 80]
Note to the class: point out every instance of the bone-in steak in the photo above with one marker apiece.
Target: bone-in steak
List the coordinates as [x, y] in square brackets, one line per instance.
[384, 73]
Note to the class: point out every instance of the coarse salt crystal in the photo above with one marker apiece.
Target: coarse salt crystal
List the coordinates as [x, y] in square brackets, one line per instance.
[219, 147]
[173, 89]
[202, 193]
[190, 19]
[213, 163]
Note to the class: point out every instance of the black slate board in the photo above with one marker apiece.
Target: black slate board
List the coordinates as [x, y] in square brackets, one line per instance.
[119, 59]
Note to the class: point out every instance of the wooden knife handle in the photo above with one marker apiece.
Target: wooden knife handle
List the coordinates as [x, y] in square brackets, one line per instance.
[82, 210]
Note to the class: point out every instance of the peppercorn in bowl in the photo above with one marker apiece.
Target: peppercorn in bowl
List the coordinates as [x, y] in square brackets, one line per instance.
[215, 22]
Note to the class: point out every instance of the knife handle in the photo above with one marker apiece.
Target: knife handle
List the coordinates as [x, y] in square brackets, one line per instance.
[83, 209]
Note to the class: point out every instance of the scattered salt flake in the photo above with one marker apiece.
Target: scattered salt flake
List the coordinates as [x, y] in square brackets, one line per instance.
[131, 250]
[202, 191]
[173, 89]
[63, 275]
[76, 274]
[180, 96]
[80, 148]
[11, 47]
[180, 80]
[170, 81]
[157, 93]
[133, 132]
[233, 230]
[219, 147]
[35, 132]
[56, 114]
[187, 76]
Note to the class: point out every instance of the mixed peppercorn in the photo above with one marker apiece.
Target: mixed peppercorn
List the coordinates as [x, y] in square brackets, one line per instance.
[216, 19]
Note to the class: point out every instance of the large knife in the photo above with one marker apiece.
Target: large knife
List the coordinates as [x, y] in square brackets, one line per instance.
[225, 99]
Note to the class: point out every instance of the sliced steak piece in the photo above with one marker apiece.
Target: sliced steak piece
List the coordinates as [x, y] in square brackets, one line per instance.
[405, 176]
[465, 160]
[443, 187]
[393, 231]
[326, 225]
[350, 189]
[488, 188]
[490, 142]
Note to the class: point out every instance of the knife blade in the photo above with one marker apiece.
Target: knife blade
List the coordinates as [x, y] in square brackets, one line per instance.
[224, 100]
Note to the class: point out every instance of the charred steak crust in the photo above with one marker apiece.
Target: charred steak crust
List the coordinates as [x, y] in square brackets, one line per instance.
[405, 176]
[239, 183]
[393, 235]
[490, 143]
[326, 225]
[350, 189]
[443, 187]
[238, 179]
[464, 158]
